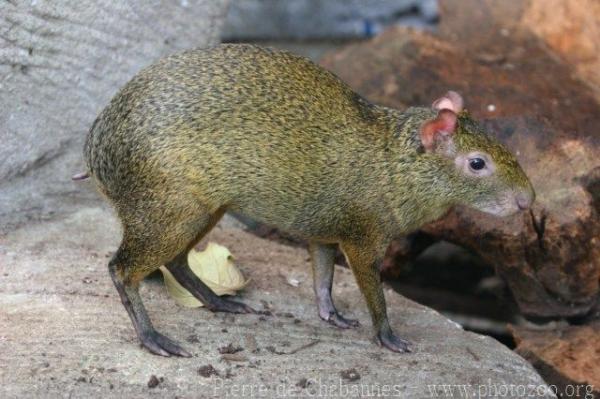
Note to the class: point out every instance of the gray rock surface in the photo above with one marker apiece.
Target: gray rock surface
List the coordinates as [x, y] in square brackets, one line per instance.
[60, 63]
[64, 333]
[323, 19]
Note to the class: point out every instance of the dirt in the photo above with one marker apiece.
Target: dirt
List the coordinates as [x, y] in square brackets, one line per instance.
[230, 348]
[350, 375]
[207, 371]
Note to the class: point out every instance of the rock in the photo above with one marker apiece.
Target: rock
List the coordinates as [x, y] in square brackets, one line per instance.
[531, 101]
[153, 381]
[64, 337]
[321, 19]
[570, 28]
[60, 64]
[567, 356]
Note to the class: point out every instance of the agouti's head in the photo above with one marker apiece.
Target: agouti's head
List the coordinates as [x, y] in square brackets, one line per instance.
[484, 173]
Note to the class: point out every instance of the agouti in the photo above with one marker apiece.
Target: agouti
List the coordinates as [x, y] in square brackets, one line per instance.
[273, 136]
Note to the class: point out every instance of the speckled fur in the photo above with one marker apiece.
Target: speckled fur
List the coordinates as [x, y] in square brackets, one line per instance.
[277, 138]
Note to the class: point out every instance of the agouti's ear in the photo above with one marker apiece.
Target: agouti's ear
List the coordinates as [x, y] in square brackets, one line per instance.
[451, 100]
[438, 129]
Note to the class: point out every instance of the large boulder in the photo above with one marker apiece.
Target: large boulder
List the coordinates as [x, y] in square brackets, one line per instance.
[65, 333]
[568, 28]
[531, 101]
[567, 356]
[60, 63]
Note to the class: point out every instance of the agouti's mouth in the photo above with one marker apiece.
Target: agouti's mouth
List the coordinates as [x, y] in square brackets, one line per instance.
[501, 207]
[524, 200]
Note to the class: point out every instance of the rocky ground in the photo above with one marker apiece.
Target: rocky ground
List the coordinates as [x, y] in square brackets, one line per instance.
[64, 333]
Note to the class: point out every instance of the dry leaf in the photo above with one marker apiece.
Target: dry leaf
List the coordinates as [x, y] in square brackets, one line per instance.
[215, 267]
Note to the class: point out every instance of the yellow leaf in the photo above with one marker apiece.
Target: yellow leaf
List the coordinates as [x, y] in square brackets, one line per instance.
[215, 267]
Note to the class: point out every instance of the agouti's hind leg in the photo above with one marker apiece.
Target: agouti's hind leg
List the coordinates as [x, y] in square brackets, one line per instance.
[180, 269]
[150, 239]
[120, 272]
[323, 261]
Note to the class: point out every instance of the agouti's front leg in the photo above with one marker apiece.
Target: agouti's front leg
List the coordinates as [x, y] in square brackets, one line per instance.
[323, 263]
[364, 260]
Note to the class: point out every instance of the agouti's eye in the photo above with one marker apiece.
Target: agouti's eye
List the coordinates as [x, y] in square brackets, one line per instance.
[476, 163]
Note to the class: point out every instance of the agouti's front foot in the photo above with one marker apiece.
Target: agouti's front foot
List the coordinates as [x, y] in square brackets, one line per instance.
[340, 321]
[387, 338]
[161, 345]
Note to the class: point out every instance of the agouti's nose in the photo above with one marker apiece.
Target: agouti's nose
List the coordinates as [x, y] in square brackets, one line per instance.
[524, 201]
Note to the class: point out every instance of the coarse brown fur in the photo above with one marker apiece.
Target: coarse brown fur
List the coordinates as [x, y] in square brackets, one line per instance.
[274, 137]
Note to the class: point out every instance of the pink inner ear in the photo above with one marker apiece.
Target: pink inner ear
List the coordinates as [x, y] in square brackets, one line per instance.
[443, 125]
[451, 100]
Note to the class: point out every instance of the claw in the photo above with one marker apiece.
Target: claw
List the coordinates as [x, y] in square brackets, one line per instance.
[340, 321]
[161, 345]
[229, 306]
[393, 342]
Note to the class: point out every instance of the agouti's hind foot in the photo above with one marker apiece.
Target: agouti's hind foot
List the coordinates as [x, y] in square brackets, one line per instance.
[336, 319]
[161, 345]
[394, 343]
[229, 306]
[184, 276]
